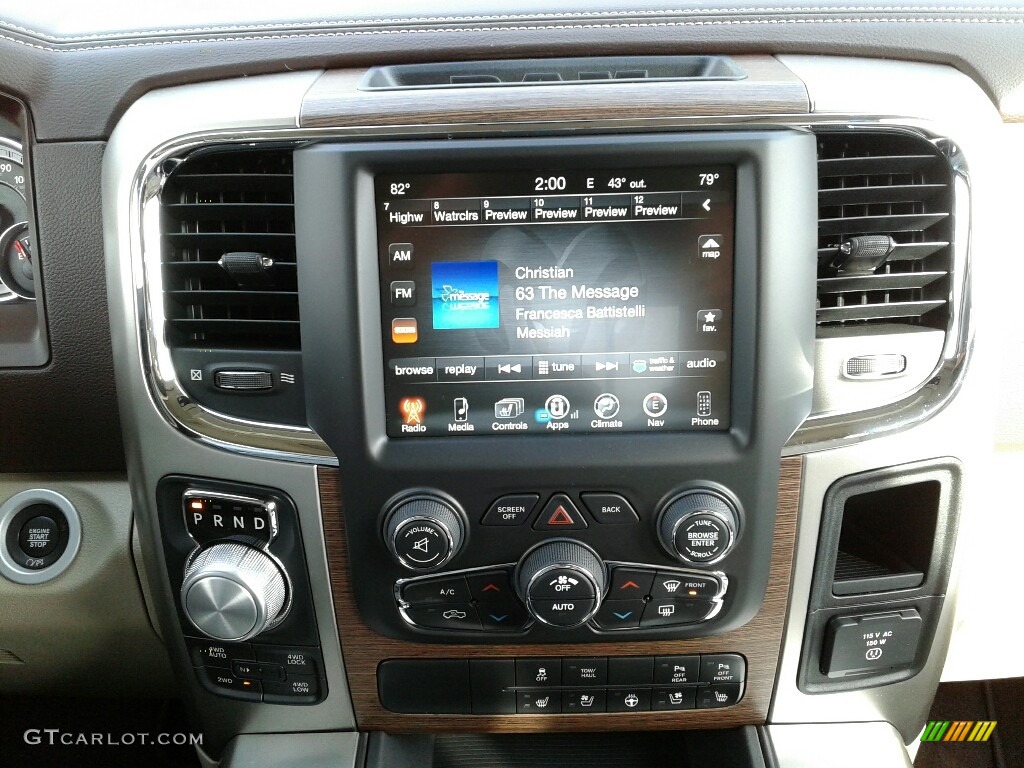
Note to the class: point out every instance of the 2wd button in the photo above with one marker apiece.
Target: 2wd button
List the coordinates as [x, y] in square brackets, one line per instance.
[565, 612]
[561, 583]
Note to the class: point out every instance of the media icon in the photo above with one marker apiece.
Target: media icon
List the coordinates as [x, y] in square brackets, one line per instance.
[655, 405]
[509, 408]
[557, 406]
[606, 406]
[461, 408]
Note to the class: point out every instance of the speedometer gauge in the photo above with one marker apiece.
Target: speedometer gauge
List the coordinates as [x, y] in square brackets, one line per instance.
[13, 206]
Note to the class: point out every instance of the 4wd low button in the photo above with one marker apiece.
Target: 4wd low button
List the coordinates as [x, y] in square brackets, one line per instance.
[39, 537]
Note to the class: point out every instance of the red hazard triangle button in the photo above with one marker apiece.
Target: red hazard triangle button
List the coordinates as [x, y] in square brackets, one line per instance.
[559, 514]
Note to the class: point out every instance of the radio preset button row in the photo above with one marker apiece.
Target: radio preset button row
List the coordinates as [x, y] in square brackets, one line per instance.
[553, 685]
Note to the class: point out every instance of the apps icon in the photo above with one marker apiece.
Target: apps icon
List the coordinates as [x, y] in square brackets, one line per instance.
[557, 406]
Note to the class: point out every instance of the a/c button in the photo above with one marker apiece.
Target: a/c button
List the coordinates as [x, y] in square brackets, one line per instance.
[511, 510]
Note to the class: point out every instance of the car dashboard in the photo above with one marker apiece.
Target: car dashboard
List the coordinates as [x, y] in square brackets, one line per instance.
[414, 390]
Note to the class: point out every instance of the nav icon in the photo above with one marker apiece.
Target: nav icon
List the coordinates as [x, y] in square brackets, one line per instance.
[709, 246]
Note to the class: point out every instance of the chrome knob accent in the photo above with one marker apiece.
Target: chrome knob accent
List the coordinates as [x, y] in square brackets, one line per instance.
[232, 592]
[699, 527]
[562, 582]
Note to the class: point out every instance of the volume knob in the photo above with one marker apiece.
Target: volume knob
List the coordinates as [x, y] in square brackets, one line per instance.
[424, 532]
[233, 592]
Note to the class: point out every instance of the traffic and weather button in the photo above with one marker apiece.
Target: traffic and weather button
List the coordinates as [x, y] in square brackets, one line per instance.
[560, 514]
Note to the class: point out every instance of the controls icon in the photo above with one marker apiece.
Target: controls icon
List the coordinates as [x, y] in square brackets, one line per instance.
[461, 409]
[606, 406]
[509, 408]
[655, 405]
[557, 406]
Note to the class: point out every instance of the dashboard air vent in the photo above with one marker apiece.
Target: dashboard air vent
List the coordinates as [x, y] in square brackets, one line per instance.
[229, 251]
[885, 227]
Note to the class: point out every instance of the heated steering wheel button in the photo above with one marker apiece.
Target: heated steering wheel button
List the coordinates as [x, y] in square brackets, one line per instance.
[39, 537]
[560, 583]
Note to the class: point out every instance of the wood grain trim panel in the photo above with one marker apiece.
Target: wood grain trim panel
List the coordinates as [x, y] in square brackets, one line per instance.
[770, 88]
[759, 640]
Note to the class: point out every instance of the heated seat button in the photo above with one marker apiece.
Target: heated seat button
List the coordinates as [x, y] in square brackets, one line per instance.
[539, 702]
[39, 536]
[723, 695]
[609, 508]
[511, 510]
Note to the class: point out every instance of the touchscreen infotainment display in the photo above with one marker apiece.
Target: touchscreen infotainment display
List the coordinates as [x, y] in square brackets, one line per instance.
[557, 301]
